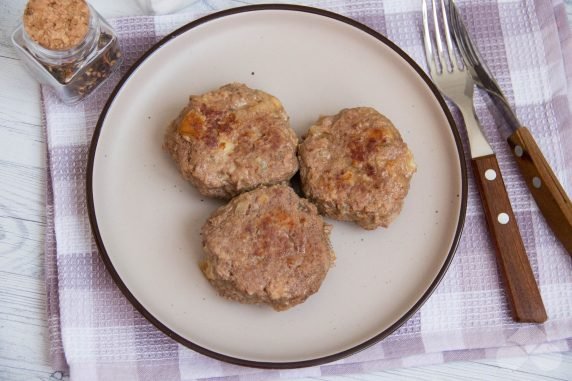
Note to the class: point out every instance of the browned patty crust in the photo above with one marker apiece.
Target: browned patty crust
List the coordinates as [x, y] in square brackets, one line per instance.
[267, 246]
[355, 166]
[231, 140]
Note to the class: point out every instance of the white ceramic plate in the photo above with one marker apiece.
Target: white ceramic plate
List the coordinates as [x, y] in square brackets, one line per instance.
[146, 218]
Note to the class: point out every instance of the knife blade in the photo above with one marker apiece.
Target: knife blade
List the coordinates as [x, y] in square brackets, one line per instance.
[543, 184]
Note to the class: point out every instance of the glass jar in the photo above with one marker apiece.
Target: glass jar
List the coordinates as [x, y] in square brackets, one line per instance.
[74, 72]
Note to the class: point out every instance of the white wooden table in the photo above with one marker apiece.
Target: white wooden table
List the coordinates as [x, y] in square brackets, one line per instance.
[23, 327]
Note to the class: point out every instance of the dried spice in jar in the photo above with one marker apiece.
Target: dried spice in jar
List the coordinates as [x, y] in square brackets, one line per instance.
[67, 45]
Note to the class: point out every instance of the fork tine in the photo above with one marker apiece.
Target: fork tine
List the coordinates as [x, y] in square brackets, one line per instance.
[440, 52]
[469, 58]
[427, 39]
[447, 32]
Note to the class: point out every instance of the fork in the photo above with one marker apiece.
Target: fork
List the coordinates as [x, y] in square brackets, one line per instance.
[451, 76]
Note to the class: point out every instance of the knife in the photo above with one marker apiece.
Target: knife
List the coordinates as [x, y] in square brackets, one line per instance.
[543, 184]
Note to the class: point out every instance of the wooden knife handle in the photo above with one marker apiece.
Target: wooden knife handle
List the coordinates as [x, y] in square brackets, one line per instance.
[524, 296]
[544, 185]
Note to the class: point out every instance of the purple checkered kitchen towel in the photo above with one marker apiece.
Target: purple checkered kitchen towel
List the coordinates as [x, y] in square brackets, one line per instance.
[96, 332]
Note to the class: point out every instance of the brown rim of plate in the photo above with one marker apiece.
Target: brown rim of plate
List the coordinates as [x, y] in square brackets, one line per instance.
[236, 360]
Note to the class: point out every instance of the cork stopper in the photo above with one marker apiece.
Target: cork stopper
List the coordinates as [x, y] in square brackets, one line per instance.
[57, 24]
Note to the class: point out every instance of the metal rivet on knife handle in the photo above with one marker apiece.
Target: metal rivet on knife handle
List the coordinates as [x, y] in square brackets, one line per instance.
[518, 151]
[503, 218]
[490, 174]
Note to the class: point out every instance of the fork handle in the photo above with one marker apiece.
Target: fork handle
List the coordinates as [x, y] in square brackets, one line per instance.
[544, 185]
[524, 296]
